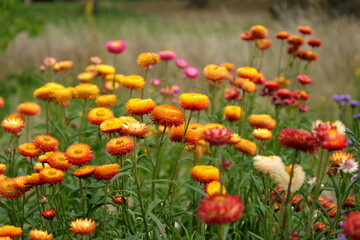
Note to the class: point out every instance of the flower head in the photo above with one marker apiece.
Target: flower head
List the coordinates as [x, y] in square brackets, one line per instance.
[106, 171]
[83, 227]
[245, 84]
[167, 55]
[86, 77]
[146, 59]
[205, 173]
[10, 231]
[181, 63]
[266, 164]
[29, 150]
[262, 121]
[139, 107]
[314, 42]
[213, 187]
[337, 158]
[217, 136]
[246, 146]
[262, 134]
[220, 209]
[133, 82]
[215, 73]
[86, 91]
[29, 108]
[192, 135]
[351, 225]
[167, 115]
[84, 172]
[298, 139]
[281, 176]
[106, 100]
[191, 72]
[349, 166]
[12, 125]
[98, 115]
[259, 31]
[232, 112]
[51, 175]
[48, 213]
[111, 125]
[116, 46]
[8, 189]
[134, 128]
[59, 161]
[79, 154]
[282, 35]
[36, 234]
[46, 143]
[194, 101]
[305, 30]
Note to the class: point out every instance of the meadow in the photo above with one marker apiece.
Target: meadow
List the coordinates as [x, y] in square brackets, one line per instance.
[222, 123]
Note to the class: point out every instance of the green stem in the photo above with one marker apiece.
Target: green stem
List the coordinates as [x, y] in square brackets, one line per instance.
[47, 109]
[157, 163]
[136, 175]
[220, 232]
[105, 209]
[27, 127]
[145, 78]
[83, 119]
[82, 198]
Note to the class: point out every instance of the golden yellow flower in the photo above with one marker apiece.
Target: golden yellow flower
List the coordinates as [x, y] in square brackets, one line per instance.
[262, 121]
[10, 231]
[246, 146]
[103, 69]
[106, 100]
[235, 138]
[232, 112]
[266, 164]
[111, 125]
[46, 92]
[245, 84]
[63, 65]
[63, 96]
[86, 91]
[205, 173]
[262, 134]
[146, 59]
[86, 77]
[281, 176]
[138, 107]
[109, 86]
[213, 187]
[110, 77]
[212, 125]
[215, 73]
[40, 235]
[194, 101]
[83, 226]
[229, 66]
[133, 82]
[248, 72]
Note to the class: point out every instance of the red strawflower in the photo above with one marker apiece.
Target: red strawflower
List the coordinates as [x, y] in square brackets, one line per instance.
[220, 209]
[298, 139]
[351, 225]
[217, 136]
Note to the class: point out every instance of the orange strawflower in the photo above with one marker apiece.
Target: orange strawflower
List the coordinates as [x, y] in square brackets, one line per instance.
[84, 172]
[119, 200]
[86, 77]
[213, 187]
[133, 82]
[167, 115]
[51, 175]
[262, 121]
[249, 73]
[2, 168]
[259, 31]
[22, 183]
[98, 115]
[295, 40]
[106, 171]
[263, 44]
[10, 231]
[146, 59]
[86, 91]
[205, 173]
[48, 213]
[79, 154]
[63, 96]
[29, 150]
[134, 129]
[83, 226]
[305, 30]
[138, 107]
[40, 166]
[63, 65]
[29, 108]
[245, 84]
[262, 134]
[34, 179]
[215, 73]
[111, 125]
[45, 157]
[232, 113]
[59, 161]
[229, 66]
[46, 143]
[8, 189]
[15, 115]
[111, 77]
[12, 125]
[40, 235]
[2, 102]
[120, 146]
[246, 146]
[194, 101]
[192, 136]
[337, 158]
[106, 100]
[282, 35]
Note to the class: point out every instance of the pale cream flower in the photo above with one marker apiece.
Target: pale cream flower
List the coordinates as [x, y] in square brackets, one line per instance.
[266, 164]
[281, 176]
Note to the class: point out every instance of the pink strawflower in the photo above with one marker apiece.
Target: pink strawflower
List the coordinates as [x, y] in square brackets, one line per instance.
[167, 55]
[181, 63]
[116, 46]
[191, 72]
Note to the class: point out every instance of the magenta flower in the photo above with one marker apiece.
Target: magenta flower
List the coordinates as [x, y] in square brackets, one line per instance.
[116, 46]
[191, 72]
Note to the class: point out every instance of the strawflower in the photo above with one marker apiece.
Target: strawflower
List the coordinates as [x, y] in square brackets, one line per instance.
[10, 231]
[106, 171]
[167, 115]
[79, 154]
[46, 143]
[116, 46]
[217, 136]
[191, 72]
[205, 173]
[266, 164]
[52, 175]
[139, 107]
[281, 176]
[29, 108]
[36, 234]
[133, 82]
[98, 115]
[106, 100]
[194, 101]
[298, 139]
[215, 73]
[262, 121]
[246, 146]
[120, 146]
[12, 125]
[83, 227]
[59, 161]
[232, 113]
[146, 59]
[213, 187]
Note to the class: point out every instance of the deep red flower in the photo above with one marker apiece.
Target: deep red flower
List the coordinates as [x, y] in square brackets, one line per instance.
[298, 139]
[351, 225]
[333, 140]
[220, 209]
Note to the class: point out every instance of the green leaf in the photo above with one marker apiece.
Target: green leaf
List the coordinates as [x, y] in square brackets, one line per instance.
[159, 225]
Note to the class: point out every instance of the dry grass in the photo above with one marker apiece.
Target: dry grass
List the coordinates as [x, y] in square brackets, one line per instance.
[201, 37]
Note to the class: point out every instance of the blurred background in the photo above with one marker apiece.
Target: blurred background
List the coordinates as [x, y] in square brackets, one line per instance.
[200, 31]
